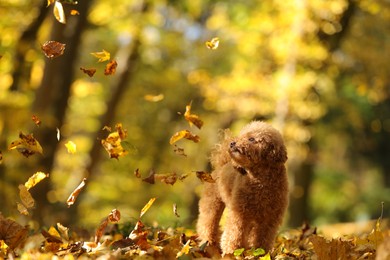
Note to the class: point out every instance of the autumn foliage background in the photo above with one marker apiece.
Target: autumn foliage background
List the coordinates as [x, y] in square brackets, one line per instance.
[317, 70]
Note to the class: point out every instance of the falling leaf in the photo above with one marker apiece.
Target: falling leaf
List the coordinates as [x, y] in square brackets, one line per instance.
[25, 197]
[169, 178]
[73, 196]
[184, 134]
[205, 176]
[12, 233]
[113, 142]
[74, 12]
[26, 145]
[191, 118]
[107, 128]
[175, 210]
[139, 236]
[35, 179]
[36, 120]
[146, 207]
[89, 72]
[1, 157]
[179, 151]
[213, 43]
[154, 98]
[71, 147]
[22, 209]
[58, 134]
[102, 55]
[100, 230]
[58, 12]
[53, 49]
[150, 178]
[183, 176]
[137, 173]
[49, 2]
[110, 68]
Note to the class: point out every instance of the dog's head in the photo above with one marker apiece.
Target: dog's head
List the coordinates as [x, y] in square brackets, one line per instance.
[258, 144]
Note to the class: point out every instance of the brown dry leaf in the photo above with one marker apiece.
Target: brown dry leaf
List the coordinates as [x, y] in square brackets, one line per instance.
[35, 179]
[137, 174]
[169, 178]
[192, 118]
[205, 176]
[154, 98]
[110, 68]
[114, 216]
[100, 230]
[58, 12]
[74, 12]
[73, 196]
[25, 197]
[184, 134]
[146, 207]
[179, 151]
[53, 49]
[89, 72]
[213, 43]
[334, 249]
[26, 145]
[101, 55]
[12, 233]
[36, 120]
[175, 210]
[139, 236]
[150, 178]
[113, 142]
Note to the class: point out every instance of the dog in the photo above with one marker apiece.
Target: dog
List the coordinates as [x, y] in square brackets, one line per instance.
[251, 183]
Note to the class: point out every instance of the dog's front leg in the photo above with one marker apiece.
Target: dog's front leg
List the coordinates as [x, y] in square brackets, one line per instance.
[234, 232]
[210, 211]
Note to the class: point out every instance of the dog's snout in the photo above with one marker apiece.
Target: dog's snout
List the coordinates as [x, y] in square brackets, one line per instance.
[232, 144]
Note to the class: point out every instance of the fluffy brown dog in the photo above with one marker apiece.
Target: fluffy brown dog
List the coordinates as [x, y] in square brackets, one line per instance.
[251, 182]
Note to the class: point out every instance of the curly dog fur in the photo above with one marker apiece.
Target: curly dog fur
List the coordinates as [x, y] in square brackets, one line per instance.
[251, 182]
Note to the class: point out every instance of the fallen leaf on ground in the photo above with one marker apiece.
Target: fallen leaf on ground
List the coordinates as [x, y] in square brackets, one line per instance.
[184, 134]
[12, 233]
[73, 196]
[53, 49]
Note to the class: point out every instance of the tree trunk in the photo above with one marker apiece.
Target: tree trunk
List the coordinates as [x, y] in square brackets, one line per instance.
[51, 104]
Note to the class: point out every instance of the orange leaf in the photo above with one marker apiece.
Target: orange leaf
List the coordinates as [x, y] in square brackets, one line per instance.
[73, 196]
[89, 72]
[184, 134]
[114, 216]
[110, 68]
[74, 12]
[53, 49]
[191, 118]
[205, 176]
[146, 207]
[36, 120]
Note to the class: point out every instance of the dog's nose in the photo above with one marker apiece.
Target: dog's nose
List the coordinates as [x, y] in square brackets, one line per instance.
[232, 144]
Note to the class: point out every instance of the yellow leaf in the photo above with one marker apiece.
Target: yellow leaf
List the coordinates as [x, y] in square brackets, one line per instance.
[26, 197]
[191, 118]
[184, 134]
[49, 2]
[146, 207]
[58, 12]
[74, 12]
[71, 147]
[35, 179]
[26, 145]
[185, 249]
[113, 142]
[102, 55]
[213, 43]
[22, 209]
[154, 98]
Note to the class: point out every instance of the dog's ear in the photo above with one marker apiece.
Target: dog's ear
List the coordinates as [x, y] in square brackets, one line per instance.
[275, 153]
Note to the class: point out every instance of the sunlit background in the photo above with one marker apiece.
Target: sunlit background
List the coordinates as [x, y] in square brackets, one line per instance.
[317, 70]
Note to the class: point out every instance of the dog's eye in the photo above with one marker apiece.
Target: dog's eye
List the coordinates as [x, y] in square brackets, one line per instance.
[251, 139]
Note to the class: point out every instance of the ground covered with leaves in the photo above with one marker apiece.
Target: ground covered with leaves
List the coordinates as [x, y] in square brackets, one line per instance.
[116, 240]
